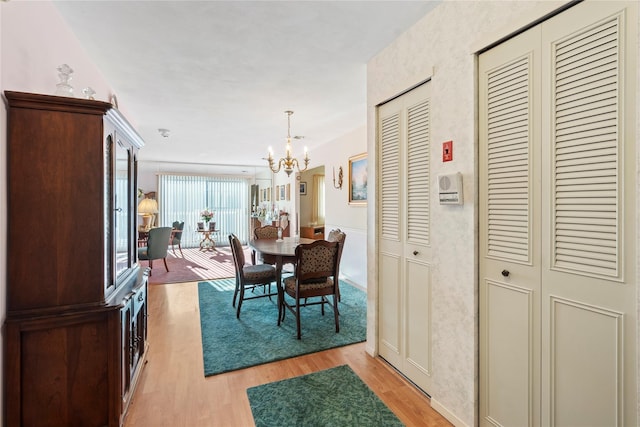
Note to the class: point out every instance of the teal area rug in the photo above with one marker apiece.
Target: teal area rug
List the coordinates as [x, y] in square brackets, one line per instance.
[334, 397]
[229, 343]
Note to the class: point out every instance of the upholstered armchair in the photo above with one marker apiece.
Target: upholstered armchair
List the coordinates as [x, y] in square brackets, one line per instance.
[157, 246]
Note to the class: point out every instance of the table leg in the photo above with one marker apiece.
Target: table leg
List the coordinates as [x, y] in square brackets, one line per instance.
[207, 243]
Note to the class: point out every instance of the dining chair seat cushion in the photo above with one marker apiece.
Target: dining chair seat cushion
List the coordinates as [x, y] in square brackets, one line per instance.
[258, 273]
[142, 253]
[315, 284]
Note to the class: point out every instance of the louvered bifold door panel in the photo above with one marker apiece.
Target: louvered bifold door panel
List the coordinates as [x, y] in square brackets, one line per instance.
[390, 176]
[508, 168]
[418, 147]
[585, 224]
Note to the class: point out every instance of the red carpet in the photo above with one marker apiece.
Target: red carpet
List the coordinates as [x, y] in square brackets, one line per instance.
[195, 266]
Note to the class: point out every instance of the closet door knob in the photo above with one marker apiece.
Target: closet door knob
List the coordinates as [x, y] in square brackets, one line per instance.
[505, 273]
[415, 252]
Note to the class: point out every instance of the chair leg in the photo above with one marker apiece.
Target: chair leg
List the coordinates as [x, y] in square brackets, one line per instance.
[298, 318]
[235, 293]
[282, 308]
[240, 301]
[180, 247]
[335, 311]
[165, 264]
[150, 267]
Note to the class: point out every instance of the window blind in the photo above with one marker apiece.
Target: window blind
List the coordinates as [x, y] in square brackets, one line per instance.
[183, 197]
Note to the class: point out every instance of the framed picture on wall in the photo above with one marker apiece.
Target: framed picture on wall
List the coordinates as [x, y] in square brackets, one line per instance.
[288, 191]
[277, 192]
[303, 188]
[358, 179]
[282, 192]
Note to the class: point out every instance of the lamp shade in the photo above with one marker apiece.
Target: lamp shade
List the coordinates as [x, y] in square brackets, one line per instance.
[148, 206]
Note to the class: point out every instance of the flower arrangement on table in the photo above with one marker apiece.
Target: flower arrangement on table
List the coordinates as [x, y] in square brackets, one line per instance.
[206, 215]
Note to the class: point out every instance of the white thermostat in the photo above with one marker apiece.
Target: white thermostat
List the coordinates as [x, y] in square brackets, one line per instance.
[450, 189]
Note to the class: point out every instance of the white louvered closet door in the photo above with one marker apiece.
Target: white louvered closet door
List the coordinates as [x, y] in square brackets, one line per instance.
[509, 161]
[589, 235]
[573, 333]
[404, 230]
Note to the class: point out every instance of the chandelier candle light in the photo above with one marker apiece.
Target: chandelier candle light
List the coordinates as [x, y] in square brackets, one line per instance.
[288, 161]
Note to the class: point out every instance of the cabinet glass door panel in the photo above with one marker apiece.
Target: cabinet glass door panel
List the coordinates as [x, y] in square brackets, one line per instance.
[121, 205]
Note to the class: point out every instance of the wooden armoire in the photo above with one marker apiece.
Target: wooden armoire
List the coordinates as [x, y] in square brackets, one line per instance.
[76, 326]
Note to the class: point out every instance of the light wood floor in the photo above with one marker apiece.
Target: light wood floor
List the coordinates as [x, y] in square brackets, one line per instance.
[173, 390]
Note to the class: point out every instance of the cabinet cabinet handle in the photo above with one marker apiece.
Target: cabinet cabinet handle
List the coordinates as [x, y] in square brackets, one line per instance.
[118, 209]
[141, 297]
[415, 252]
[505, 273]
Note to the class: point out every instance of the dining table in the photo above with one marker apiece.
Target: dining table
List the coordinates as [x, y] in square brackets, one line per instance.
[284, 251]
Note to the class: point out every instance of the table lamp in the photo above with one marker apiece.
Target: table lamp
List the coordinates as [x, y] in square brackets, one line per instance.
[148, 208]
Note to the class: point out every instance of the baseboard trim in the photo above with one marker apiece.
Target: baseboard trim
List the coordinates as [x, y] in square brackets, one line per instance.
[447, 414]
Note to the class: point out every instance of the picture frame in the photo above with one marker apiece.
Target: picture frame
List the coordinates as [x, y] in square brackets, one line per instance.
[303, 188]
[282, 192]
[277, 192]
[201, 226]
[288, 191]
[358, 179]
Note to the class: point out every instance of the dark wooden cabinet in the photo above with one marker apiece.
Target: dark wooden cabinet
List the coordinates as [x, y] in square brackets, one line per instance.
[316, 233]
[76, 326]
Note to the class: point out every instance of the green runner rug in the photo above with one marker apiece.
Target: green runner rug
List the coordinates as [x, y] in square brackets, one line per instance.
[229, 343]
[334, 397]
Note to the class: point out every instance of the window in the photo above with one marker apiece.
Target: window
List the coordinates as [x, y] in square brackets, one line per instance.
[182, 198]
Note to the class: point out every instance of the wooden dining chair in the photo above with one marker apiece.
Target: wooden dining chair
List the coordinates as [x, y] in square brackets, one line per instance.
[264, 232]
[337, 235]
[316, 275]
[250, 276]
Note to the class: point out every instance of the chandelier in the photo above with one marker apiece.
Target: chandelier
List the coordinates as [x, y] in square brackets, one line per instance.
[288, 161]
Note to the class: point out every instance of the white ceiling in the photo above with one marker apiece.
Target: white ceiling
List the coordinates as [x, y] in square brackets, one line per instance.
[220, 74]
